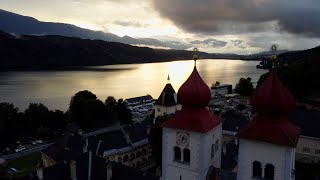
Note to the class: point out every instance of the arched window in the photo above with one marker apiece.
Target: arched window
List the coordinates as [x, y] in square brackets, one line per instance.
[256, 169]
[212, 151]
[144, 161]
[144, 152]
[177, 153]
[186, 155]
[138, 164]
[132, 156]
[125, 158]
[138, 154]
[269, 172]
[120, 159]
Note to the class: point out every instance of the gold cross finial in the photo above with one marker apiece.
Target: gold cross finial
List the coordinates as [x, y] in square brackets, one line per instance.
[195, 55]
[274, 56]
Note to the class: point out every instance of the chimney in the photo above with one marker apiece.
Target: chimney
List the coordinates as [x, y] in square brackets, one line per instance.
[85, 147]
[98, 147]
[89, 165]
[40, 172]
[109, 171]
[73, 169]
[128, 138]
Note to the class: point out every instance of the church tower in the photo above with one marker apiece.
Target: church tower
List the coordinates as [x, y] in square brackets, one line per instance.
[191, 144]
[167, 102]
[268, 142]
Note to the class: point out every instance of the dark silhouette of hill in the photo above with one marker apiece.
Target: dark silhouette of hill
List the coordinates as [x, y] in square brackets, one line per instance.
[18, 24]
[301, 72]
[55, 52]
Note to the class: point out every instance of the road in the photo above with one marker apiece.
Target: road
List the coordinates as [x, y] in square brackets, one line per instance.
[26, 152]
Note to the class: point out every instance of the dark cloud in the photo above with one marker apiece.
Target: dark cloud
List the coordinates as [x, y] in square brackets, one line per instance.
[211, 42]
[238, 43]
[128, 23]
[243, 16]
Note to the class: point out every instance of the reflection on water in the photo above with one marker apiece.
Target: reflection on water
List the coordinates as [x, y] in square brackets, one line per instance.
[55, 88]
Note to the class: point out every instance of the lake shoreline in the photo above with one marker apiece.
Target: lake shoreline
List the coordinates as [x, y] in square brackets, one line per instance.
[93, 67]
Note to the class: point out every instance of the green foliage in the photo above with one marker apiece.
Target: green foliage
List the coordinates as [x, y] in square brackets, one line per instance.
[87, 110]
[8, 123]
[244, 86]
[36, 115]
[124, 114]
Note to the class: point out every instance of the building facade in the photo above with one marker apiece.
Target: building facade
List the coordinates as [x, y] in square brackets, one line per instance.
[192, 138]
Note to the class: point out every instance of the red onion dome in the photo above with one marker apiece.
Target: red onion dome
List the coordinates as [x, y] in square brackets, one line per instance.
[271, 97]
[194, 91]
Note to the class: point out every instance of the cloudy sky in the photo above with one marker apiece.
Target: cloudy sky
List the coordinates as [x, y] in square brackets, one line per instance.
[220, 26]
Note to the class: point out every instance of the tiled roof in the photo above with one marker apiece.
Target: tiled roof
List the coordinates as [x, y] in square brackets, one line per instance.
[137, 132]
[139, 99]
[122, 172]
[167, 96]
[61, 171]
[273, 102]
[194, 95]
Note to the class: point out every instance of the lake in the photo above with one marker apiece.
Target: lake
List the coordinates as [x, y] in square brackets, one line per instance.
[55, 88]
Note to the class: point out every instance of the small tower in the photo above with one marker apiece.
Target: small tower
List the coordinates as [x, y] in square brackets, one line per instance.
[267, 144]
[191, 141]
[167, 101]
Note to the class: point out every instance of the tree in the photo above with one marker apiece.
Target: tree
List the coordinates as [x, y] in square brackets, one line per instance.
[111, 104]
[217, 83]
[124, 114]
[36, 115]
[87, 110]
[244, 86]
[8, 123]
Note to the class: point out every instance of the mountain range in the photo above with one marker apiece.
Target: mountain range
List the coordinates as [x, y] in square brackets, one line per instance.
[18, 24]
[60, 52]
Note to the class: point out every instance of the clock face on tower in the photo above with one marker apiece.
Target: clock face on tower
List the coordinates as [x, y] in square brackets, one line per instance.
[182, 139]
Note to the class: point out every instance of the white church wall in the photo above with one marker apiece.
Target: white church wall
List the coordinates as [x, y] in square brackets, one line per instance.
[282, 158]
[162, 110]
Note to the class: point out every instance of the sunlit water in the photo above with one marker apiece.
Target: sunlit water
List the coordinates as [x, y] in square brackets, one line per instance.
[55, 88]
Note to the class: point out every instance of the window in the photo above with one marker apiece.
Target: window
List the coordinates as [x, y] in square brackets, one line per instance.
[120, 159]
[144, 152]
[158, 110]
[256, 169]
[186, 155]
[138, 154]
[212, 151]
[269, 172]
[125, 158]
[138, 164]
[217, 145]
[317, 151]
[306, 149]
[177, 153]
[132, 156]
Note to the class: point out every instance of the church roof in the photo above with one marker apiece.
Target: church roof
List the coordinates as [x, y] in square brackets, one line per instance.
[272, 101]
[194, 91]
[167, 96]
[194, 95]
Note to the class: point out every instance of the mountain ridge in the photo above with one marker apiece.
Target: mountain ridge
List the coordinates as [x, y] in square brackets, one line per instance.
[20, 24]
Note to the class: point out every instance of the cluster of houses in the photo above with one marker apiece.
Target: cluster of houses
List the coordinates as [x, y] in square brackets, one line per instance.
[125, 152]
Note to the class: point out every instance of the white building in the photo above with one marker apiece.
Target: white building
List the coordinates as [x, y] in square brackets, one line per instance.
[167, 101]
[191, 146]
[267, 144]
[221, 90]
